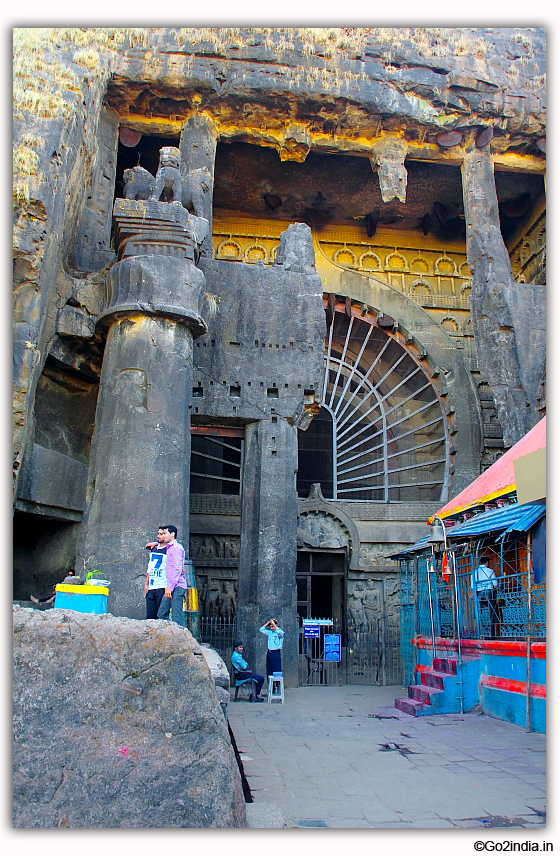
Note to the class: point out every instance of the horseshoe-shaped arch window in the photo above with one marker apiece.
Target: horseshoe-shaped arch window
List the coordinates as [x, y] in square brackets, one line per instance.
[382, 434]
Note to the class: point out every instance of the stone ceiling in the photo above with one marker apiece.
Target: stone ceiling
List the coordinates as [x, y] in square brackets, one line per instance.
[328, 189]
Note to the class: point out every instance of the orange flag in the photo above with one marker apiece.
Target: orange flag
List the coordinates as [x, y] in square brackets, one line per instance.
[445, 569]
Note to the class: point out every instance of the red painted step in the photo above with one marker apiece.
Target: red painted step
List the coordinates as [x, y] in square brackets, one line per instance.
[431, 684]
[412, 707]
[431, 678]
[422, 693]
[445, 664]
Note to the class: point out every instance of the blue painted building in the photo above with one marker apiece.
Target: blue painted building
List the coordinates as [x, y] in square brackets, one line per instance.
[474, 606]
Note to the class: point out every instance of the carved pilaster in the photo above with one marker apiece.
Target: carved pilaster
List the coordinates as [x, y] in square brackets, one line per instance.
[492, 297]
[268, 555]
[198, 157]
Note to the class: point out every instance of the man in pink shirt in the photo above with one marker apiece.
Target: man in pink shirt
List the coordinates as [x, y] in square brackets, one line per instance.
[176, 587]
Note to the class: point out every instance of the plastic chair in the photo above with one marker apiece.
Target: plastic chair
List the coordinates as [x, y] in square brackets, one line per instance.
[242, 678]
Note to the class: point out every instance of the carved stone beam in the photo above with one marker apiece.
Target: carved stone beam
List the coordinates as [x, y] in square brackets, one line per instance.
[388, 156]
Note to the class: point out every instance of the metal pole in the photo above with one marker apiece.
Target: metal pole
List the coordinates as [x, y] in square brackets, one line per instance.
[383, 666]
[459, 649]
[431, 612]
[529, 627]
[476, 612]
[456, 616]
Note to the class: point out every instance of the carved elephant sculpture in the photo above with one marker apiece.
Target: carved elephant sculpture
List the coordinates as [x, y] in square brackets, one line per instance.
[168, 178]
[139, 183]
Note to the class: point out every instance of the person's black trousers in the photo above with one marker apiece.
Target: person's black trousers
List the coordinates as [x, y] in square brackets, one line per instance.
[153, 600]
[259, 681]
[273, 662]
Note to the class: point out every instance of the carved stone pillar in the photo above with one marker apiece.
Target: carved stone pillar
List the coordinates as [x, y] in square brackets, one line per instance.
[268, 556]
[491, 297]
[139, 469]
[198, 152]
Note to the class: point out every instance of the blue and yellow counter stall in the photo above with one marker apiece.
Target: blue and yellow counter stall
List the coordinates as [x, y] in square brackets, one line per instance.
[83, 598]
[473, 620]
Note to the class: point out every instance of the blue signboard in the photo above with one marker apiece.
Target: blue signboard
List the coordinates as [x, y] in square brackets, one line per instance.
[332, 647]
[311, 631]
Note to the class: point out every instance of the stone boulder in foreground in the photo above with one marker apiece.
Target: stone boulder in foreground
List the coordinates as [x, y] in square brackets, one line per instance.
[117, 724]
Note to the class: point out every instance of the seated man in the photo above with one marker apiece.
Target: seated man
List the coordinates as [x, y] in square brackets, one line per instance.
[242, 672]
[44, 601]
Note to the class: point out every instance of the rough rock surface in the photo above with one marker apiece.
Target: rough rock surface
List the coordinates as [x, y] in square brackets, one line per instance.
[117, 725]
[296, 250]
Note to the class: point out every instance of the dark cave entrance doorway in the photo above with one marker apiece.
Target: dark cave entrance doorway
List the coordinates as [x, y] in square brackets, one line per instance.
[321, 586]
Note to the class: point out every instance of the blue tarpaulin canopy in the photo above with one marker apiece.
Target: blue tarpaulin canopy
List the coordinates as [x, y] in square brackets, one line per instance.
[420, 545]
[512, 518]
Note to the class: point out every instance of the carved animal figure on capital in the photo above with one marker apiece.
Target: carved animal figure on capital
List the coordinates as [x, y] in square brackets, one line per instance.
[138, 183]
[196, 185]
[168, 178]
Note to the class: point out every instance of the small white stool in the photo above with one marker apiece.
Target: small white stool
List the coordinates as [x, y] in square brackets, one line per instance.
[278, 684]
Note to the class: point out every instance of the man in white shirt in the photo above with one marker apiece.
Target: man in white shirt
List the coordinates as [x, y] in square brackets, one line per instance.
[275, 642]
[484, 582]
[156, 577]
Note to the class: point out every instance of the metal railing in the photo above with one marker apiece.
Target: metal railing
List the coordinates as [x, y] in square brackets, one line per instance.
[314, 669]
[368, 657]
[220, 634]
[513, 609]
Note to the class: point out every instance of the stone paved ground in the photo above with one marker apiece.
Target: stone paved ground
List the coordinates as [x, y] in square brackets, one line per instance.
[345, 757]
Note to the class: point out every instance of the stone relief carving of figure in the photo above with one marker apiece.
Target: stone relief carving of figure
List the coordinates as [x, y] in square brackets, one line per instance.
[388, 155]
[203, 595]
[228, 548]
[206, 547]
[168, 178]
[317, 530]
[375, 554]
[392, 595]
[372, 605]
[197, 185]
[213, 587]
[138, 183]
[356, 606]
[226, 601]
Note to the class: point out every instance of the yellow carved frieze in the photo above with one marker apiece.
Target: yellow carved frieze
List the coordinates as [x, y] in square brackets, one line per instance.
[434, 277]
